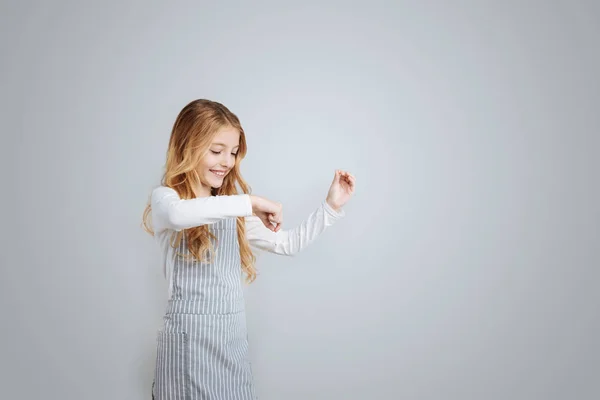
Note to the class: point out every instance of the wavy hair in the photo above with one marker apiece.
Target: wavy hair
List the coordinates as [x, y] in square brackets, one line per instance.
[193, 131]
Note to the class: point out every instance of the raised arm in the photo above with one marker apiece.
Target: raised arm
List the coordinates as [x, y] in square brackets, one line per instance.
[169, 211]
[292, 241]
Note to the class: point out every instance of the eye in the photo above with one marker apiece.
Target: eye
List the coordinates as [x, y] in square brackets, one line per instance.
[218, 152]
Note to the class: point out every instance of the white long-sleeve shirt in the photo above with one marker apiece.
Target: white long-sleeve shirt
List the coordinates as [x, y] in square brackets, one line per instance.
[171, 213]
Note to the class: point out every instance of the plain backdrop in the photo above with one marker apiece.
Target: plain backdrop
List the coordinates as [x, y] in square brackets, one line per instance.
[466, 266]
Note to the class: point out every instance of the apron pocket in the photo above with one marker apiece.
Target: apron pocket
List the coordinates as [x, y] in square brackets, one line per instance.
[171, 376]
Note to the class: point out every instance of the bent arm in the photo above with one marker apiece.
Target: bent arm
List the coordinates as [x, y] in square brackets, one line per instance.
[169, 211]
[292, 241]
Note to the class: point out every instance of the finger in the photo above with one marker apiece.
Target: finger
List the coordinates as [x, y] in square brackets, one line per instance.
[267, 223]
[273, 226]
[352, 185]
[265, 220]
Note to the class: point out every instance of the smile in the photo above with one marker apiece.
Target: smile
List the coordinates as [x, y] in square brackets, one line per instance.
[218, 173]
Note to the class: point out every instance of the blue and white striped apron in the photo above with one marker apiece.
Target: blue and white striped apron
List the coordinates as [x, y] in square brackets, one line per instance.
[202, 347]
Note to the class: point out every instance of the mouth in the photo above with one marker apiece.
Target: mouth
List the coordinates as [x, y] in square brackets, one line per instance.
[218, 173]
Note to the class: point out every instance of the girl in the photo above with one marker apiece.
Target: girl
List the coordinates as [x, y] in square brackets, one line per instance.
[205, 229]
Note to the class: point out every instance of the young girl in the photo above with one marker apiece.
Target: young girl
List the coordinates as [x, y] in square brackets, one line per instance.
[206, 229]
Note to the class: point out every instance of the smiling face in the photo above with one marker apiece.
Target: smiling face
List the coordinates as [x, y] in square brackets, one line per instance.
[219, 160]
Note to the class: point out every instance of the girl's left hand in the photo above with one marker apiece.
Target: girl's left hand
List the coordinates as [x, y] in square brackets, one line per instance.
[342, 188]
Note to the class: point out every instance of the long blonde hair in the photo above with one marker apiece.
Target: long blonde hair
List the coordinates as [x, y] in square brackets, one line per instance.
[192, 134]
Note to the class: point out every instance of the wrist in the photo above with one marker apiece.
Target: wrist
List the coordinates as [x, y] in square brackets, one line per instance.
[253, 201]
[334, 206]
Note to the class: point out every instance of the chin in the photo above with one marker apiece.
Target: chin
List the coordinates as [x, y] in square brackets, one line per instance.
[216, 185]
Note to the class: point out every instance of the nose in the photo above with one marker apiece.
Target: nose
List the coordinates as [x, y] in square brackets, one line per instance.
[228, 161]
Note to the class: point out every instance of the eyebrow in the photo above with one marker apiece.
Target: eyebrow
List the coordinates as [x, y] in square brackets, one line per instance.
[224, 145]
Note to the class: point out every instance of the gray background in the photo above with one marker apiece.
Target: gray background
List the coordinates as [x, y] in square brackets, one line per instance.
[467, 264]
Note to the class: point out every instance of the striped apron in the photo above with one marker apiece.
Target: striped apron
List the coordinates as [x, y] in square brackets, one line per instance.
[202, 347]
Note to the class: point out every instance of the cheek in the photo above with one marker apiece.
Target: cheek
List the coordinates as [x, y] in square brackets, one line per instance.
[208, 162]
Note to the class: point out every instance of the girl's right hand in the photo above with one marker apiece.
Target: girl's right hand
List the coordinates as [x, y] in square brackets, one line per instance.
[269, 212]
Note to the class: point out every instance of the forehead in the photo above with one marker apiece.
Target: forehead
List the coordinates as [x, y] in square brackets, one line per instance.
[227, 136]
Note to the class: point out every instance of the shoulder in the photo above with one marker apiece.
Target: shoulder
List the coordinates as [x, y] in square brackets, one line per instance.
[163, 189]
[160, 192]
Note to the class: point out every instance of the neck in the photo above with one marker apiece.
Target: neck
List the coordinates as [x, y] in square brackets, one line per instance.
[203, 191]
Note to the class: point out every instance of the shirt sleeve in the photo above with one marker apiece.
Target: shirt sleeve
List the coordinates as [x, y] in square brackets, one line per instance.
[289, 242]
[169, 211]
